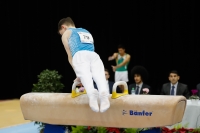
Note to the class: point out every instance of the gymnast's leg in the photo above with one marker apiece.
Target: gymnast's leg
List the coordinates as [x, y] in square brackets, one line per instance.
[81, 65]
[98, 75]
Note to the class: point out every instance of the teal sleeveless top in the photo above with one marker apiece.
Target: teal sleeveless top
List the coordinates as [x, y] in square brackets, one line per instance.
[119, 60]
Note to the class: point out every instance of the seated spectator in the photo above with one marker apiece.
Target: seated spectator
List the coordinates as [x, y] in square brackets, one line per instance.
[140, 75]
[110, 83]
[174, 87]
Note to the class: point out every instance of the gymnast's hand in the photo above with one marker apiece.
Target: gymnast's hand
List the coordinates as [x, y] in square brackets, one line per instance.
[114, 68]
[110, 58]
[77, 80]
[79, 85]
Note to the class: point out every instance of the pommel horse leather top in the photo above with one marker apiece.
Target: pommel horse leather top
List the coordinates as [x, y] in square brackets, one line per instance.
[126, 111]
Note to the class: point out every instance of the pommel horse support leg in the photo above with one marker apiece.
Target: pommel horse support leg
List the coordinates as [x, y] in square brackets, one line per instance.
[126, 111]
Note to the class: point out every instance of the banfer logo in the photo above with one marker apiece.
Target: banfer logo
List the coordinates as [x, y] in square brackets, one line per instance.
[124, 112]
[140, 113]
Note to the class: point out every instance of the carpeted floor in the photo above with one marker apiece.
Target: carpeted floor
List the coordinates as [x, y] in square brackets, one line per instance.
[11, 118]
[22, 128]
[10, 113]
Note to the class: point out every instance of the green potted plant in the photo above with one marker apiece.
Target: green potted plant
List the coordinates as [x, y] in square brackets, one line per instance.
[131, 130]
[88, 129]
[48, 81]
[179, 128]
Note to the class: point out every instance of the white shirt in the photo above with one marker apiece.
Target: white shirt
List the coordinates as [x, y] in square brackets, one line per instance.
[140, 86]
[175, 88]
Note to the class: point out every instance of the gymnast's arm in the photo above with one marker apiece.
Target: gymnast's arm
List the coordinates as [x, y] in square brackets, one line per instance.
[114, 56]
[124, 62]
[65, 38]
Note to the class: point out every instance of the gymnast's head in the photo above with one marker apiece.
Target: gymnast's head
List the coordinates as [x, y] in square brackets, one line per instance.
[64, 24]
[121, 49]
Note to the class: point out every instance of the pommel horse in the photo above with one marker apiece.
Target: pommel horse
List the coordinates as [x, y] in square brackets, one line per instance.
[126, 111]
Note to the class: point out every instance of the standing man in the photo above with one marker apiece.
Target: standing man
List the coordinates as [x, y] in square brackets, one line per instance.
[121, 68]
[174, 87]
[79, 45]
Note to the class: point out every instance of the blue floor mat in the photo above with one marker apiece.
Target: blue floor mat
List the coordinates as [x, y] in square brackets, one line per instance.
[23, 128]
